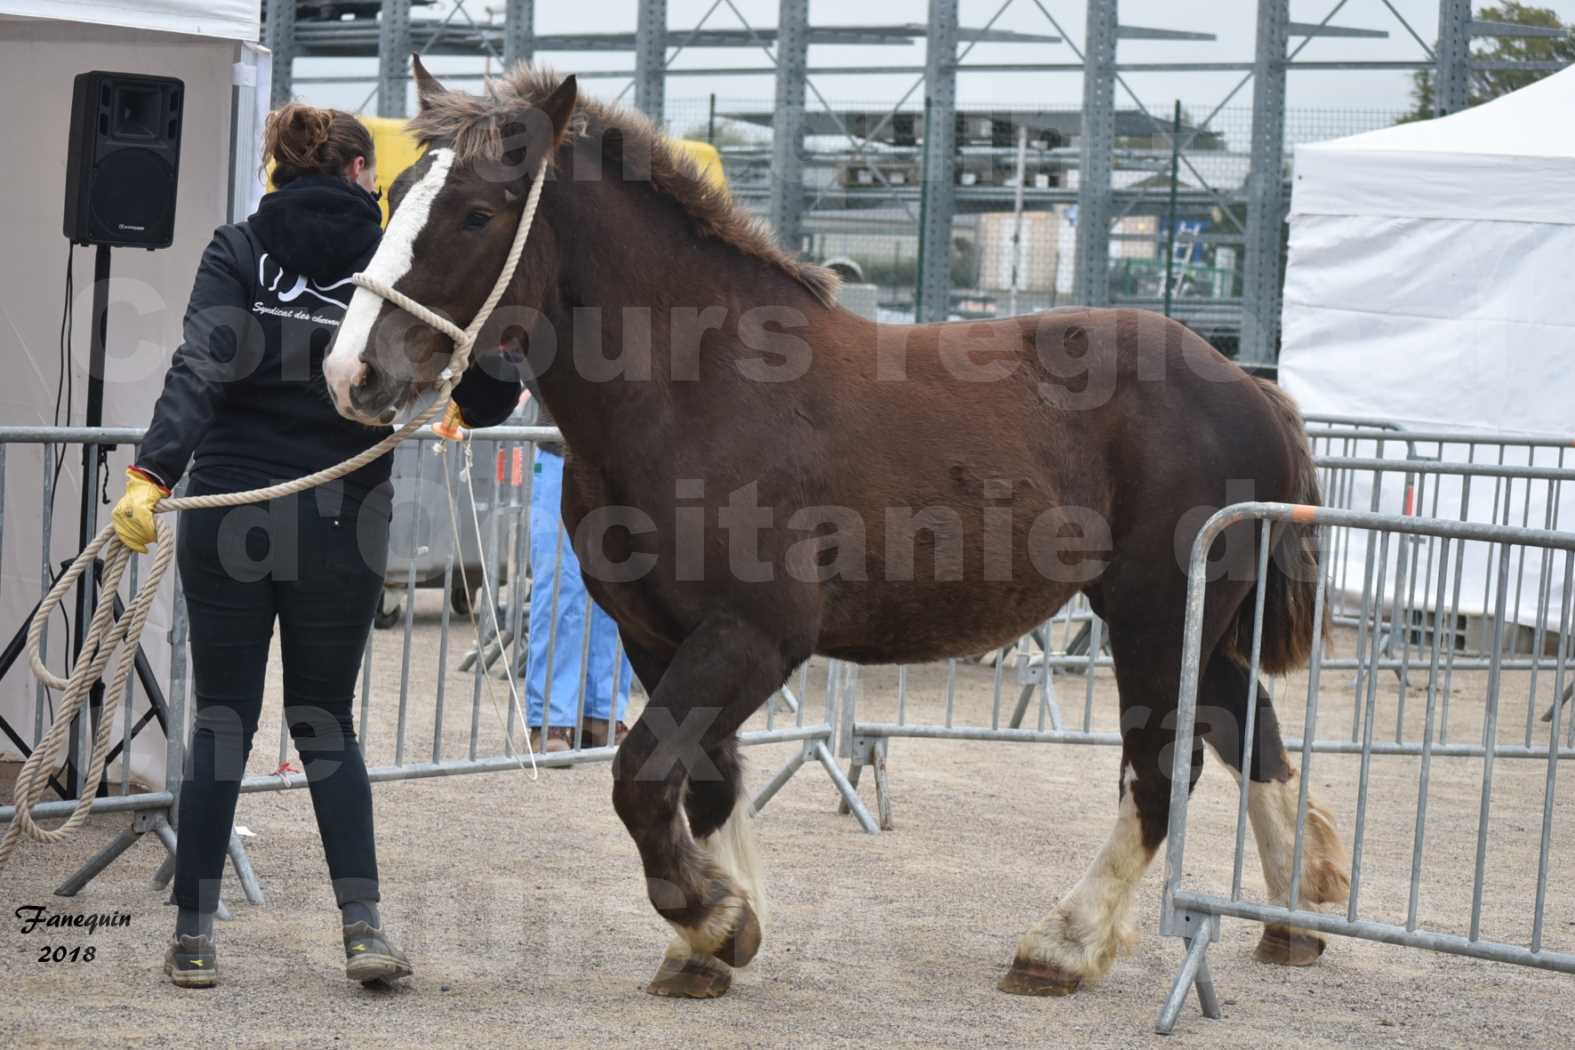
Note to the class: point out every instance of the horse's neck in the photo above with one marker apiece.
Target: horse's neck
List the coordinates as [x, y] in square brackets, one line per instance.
[628, 270]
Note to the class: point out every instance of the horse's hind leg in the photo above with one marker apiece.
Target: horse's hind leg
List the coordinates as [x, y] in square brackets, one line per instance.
[681, 755]
[1271, 805]
[1142, 601]
[1079, 941]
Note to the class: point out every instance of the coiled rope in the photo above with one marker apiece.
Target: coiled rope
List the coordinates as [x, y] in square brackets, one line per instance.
[106, 636]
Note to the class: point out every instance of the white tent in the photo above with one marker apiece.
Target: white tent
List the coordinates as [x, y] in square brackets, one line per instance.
[211, 19]
[1429, 277]
[210, 45]
[1430, 284]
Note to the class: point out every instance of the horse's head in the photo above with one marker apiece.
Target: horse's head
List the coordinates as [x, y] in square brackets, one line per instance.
[453, 217]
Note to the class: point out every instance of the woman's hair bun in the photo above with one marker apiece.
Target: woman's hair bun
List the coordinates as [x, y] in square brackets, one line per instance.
[299, 139]
[296, 134]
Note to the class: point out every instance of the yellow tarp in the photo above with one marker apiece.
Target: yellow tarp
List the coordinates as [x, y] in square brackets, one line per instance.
[396, 151]
[706, 158]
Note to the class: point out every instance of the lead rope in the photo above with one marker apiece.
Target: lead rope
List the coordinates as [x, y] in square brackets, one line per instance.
[492, 606]
[106, 635]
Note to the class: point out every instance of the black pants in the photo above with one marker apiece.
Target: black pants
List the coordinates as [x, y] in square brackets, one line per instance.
[316, 565]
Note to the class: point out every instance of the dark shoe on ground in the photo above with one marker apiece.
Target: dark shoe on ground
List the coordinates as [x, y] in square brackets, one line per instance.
[596, 732]
[370, 958]
[559, 738]
[191, 962]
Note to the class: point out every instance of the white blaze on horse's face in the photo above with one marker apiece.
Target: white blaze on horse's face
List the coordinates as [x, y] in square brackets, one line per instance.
[345, 366]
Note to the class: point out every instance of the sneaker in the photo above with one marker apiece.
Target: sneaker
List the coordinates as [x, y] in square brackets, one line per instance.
[369, 957]
[559, 738]
[596, 732]
[191, 962]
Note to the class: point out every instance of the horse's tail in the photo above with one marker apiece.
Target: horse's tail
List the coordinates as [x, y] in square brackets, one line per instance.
[1288, 616]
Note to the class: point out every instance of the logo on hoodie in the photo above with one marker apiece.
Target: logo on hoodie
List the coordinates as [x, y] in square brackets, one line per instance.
[289, 293]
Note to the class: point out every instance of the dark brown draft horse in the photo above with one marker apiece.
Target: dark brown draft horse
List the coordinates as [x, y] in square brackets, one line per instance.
[757, 476]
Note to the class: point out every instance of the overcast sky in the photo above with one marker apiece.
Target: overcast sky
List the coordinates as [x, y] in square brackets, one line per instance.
[1232, 21]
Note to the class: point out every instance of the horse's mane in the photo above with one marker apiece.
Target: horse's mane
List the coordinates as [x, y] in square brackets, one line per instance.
[473, 126]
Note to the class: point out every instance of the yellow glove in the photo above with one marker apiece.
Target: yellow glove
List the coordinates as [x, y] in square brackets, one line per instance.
[133, 515]
[452, 425]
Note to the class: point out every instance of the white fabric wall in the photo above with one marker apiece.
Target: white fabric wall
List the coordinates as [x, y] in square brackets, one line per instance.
[1535, 591]
[148, 296]
[1335, 179]
[1429, 284]
[215, 19]
[1441, 324]
[1455, 322]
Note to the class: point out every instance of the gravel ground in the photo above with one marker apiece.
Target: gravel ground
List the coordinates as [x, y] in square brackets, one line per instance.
[521, 903]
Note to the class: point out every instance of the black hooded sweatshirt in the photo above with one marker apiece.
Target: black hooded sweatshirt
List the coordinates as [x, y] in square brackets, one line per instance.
[244, 399]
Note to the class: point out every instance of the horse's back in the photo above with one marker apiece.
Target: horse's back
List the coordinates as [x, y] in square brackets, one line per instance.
[1063, 438]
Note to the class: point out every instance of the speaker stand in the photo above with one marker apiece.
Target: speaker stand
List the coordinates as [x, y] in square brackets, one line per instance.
[93, 457]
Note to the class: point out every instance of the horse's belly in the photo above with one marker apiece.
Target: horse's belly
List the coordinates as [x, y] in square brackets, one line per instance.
[896, 623]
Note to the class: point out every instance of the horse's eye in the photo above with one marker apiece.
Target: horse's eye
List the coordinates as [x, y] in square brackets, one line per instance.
[476, 220]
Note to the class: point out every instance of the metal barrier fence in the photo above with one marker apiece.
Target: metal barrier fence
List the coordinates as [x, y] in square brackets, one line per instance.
[1192, 914]
[46, 449]
[424, 507]
[1507, 480]
[1060, 672]
[426, 662]
[1048, 689]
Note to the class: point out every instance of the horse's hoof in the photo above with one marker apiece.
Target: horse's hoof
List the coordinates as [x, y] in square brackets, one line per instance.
[743, 943]
[693, 977]
[1027, 977]
[1284, 946]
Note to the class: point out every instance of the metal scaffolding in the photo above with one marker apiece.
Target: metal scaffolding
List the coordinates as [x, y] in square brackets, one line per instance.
[1250, 214]
[1266, 190]
[519, 31]
[937, 210]
[393, 55]
[1452, 83]
[650, 59]
[279, 38]
[1097, 160]
[786, 211]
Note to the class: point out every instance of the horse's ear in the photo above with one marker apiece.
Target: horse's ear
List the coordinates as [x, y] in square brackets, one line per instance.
[530, 137]
[559, 106]
[427, 86]
[540, 134]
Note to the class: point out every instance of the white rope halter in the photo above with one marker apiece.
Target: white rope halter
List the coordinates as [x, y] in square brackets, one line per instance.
[465, 338]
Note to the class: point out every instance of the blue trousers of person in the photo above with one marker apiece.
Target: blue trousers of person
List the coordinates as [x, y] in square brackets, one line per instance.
[554, 671]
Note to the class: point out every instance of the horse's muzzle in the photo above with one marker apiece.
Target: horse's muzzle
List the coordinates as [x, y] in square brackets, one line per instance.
[376, 397]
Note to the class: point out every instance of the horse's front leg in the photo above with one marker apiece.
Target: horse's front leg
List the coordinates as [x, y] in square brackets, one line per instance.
[701, 883]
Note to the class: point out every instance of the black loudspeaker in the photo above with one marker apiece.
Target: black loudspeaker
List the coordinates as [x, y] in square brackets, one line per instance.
[123, 161]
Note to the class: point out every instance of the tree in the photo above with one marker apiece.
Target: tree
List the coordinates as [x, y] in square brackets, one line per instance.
[1421, 98]
[1491, 83]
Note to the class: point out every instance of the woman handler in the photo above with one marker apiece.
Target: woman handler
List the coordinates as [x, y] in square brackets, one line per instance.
[244, 402]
